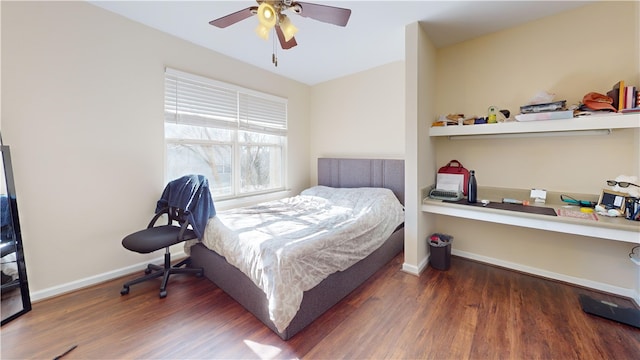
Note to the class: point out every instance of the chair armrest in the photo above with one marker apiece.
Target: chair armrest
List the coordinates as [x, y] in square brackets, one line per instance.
[152, 223]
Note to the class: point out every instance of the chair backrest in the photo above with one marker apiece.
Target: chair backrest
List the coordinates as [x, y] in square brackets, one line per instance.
[173, 214]
[178, 215]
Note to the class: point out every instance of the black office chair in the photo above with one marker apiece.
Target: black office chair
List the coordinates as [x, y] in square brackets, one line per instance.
[187, 202]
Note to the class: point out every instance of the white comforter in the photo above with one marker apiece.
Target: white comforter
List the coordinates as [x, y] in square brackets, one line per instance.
[288, 246]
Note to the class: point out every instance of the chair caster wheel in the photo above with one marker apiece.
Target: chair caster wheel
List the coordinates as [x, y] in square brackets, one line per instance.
[147, 271]
[163, 294]
[124, 291]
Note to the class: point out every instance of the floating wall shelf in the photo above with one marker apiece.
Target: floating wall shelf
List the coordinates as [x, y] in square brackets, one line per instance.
[576, 125]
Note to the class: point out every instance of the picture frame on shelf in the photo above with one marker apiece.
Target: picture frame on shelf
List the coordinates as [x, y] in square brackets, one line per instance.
[610, 199]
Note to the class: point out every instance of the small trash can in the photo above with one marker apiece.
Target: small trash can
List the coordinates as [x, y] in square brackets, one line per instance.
[440, 246]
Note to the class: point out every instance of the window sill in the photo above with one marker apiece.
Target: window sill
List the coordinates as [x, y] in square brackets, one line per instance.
[222, 205]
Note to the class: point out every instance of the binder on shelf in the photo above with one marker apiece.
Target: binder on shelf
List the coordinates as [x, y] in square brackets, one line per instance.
[632, 100]
[614, 94]
[630, 96]
[619, 88]
[549, 115]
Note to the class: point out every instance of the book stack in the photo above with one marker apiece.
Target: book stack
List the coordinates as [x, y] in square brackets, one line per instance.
[547, 111]
[626, 98]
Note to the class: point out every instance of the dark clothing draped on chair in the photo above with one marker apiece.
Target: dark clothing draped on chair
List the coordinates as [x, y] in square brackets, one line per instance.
[188, 202]
[191, 193]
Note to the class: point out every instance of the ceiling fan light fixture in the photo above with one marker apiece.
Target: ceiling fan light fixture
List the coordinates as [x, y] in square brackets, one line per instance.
[267, 15]
[263, 31]
[288, 29]
[271, 18]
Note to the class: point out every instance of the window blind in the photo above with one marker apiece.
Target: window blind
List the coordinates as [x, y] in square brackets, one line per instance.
[199, 101]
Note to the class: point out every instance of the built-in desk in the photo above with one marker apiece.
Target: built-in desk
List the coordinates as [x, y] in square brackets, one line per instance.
[609, 228]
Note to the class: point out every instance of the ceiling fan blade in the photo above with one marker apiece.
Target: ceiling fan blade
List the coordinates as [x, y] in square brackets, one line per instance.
[233, 18]
[286, 45]
[329, 14]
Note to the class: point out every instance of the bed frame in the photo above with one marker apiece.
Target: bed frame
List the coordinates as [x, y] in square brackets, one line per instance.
[346, 173]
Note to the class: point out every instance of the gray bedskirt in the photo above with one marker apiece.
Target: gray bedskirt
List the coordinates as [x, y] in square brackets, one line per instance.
[315, 301]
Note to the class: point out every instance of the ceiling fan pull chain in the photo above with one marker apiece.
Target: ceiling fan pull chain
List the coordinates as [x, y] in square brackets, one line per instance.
[274, 55]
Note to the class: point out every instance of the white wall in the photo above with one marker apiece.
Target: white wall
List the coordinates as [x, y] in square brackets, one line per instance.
[82, 109]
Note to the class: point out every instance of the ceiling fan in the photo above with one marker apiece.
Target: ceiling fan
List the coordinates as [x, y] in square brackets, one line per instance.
[271, 16]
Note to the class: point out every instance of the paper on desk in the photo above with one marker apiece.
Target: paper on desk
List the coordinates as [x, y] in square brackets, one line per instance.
[450, 182]
[539, 194]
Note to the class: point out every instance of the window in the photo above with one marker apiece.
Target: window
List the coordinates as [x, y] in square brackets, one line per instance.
[235, 137]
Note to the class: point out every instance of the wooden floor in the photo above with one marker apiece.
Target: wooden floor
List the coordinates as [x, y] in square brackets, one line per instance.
[472, 311]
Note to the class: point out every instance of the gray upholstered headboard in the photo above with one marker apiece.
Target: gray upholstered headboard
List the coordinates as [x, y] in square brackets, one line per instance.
[350, 173]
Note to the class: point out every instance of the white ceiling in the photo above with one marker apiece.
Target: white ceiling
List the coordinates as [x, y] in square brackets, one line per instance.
[374, 35]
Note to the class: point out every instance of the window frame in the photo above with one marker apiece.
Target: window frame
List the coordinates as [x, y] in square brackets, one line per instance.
[255, 112]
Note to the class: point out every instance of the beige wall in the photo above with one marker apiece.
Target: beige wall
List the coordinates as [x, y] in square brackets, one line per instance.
[360, 115]
[82, 109]
[569, 54]
[507, 68]
[420, 90]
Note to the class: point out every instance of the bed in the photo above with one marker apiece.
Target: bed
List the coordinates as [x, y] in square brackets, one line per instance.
[284, 310]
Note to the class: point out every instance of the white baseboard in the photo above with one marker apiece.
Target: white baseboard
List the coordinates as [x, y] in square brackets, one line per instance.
[628, 293]
[96, 279]
[416, 270]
